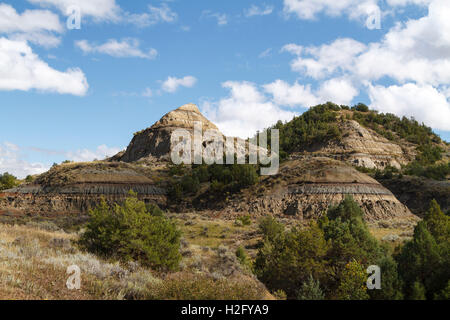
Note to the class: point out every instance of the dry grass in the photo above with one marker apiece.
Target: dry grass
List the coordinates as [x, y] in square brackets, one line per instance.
[34, 260]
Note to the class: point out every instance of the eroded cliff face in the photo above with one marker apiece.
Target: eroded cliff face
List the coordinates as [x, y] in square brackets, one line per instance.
[364, 147]
[305, 188]
[76, 188]
[154, 143]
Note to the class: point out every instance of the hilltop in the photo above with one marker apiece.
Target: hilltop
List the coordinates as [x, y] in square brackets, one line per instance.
[328, 142]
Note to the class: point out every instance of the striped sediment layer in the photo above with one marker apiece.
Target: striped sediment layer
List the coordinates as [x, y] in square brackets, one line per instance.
[73, 199]
[94, 189]
[76, 188]
[333, 188]
[306, 188]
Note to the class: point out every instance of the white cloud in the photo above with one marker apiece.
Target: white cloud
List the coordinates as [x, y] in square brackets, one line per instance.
[172, 83]
[296, 95]
[418, 50]
[121, 49]
[221, 18]
[322, 61]
[338, 90]
[37, 26]
[21, 69]
[148, 93]
[163, 13]
[413, 56]
[266, 53]
[13, 158]
[424, 102]
[43, 39]
[154, 16]
[102, 152]
[254, 10]
[244, 111]
[28, 21]
[109, 10]
[102, 10]
[403, 3]
[309, 9]
[12, 161]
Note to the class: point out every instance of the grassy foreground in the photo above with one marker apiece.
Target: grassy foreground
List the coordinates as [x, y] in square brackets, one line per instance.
[34, 258]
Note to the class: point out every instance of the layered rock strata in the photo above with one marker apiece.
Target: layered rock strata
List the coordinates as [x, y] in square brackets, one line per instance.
[305, 189]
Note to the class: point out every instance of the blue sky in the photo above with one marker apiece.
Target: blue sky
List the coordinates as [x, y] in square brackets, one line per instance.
[245, 63]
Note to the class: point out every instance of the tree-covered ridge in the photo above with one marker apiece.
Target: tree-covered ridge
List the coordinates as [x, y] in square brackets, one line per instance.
[319, 124]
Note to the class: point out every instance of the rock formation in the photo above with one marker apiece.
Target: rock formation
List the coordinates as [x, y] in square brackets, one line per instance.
[305, 188]
[154, 143]
[75, 188]
[364, 147]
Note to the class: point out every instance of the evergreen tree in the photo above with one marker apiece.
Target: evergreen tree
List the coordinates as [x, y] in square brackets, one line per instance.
[310, 290]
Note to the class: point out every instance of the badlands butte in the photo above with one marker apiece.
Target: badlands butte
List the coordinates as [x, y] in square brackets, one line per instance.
[314, 173]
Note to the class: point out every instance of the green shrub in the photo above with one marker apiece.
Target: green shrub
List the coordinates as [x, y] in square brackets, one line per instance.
[245, 220]
[361, 107]
[270, 228]
[352, 284]
[425, 258]
[8, 181]
[190, 184]
[287, 261]
[177, 169]
[175, 191]
[129, 232]
[203, 287]
[243, 258]
[310, 290]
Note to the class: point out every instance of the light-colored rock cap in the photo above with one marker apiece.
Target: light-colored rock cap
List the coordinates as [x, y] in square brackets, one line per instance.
[184, 117]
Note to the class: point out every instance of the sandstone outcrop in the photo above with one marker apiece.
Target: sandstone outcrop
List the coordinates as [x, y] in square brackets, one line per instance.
[305, 188]
[154, 143]
[364, 147]
[76, 188]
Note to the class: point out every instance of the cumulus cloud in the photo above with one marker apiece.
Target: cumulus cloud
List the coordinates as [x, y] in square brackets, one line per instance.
[412, 55]
[98, 9]
[424, 102]
[12, 161]
[403, 3]
[172, 84]
[109, 10]
[250, 107]
[125, 48]
[319, 62]
[291, 95]
[37, 26]
[28, 21]
[83, 155]
[21, 69]
[244, 111]
[338, 90]
[309, 9]
[254, 10]
[154, 16]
